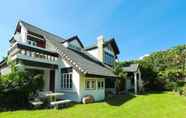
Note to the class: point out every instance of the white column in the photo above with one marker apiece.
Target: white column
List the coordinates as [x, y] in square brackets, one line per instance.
[135, 83]
[140, 82]
[57, 80]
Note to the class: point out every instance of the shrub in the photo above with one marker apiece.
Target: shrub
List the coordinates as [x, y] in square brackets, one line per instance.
[171, 86]
[16, 88]
[180, 91]
[184, 90]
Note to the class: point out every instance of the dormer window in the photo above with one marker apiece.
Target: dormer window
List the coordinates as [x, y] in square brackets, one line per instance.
[36, 40]
[29, 42]
[32, 43]
[74, 47]
[108, 58]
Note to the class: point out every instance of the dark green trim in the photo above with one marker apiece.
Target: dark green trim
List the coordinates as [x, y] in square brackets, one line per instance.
[37, 64]
[66, 70]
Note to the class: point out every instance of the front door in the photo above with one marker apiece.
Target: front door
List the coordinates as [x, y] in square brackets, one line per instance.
[52, 81]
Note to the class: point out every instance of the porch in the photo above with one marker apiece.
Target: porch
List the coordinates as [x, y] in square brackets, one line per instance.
[48, 72]
[133, 83]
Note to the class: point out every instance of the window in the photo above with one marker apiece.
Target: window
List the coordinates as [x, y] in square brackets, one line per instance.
[29, 42]
[66, 81]
[66, 78]
[90, 84]
[74, 47]
[33, 43]
[108, 58]
[100, 84]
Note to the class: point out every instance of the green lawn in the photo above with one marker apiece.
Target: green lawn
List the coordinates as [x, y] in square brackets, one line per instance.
[154, 105]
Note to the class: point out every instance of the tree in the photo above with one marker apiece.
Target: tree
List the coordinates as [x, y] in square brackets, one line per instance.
[118, 70]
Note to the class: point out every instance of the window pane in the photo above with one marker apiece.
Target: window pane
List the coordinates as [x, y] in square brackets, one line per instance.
[67, 82]
[99, 85]
[87, 84]
[93, 84]
[102, 84]
[70, 82]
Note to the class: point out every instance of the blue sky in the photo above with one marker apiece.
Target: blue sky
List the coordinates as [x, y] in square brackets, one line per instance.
[139, 26]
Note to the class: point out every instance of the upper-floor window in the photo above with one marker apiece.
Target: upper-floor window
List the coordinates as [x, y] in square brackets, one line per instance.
[33, 43]
[36, 40]
[74, 47]
[108, 58]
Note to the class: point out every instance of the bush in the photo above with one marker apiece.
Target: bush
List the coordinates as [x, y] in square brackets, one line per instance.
[184, 90]
[171, 86]
[180, 91]
[16, 88]
[155, 85]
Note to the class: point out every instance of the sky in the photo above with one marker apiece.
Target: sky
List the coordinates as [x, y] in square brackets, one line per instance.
[139, 27]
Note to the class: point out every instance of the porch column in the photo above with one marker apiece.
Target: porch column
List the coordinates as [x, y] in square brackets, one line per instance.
[135, 83]
[140, 83]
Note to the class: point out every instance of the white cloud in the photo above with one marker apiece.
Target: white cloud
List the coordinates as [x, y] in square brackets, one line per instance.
[146, 55]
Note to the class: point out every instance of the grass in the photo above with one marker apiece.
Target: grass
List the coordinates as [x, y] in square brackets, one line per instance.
[152, 105]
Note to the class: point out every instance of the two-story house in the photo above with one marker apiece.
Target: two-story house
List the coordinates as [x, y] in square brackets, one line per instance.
[66, 65]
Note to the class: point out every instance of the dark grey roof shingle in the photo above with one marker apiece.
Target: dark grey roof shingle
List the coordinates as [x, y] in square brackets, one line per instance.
[42, 32]
[85, 61]
[131, 68]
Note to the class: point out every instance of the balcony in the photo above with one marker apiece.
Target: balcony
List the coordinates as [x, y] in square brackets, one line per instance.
[30, 53]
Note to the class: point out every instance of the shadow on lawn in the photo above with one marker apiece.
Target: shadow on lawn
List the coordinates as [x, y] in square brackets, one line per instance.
[29, 108]
[118, 100]
[153, 92]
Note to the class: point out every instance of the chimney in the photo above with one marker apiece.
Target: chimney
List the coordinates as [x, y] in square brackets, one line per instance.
[100, 42]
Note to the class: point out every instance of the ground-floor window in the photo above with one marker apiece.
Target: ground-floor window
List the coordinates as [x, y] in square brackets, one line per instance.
[100, 84]
[90, 84]
[66, 78]
[66, 81]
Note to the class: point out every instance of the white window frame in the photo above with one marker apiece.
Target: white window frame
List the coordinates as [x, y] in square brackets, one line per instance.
[66, 78]
[102, 84]
[91, 87]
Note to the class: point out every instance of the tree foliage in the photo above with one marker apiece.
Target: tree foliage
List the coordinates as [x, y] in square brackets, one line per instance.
[162, 67]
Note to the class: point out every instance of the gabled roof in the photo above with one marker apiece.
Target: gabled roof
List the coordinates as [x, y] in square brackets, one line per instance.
[106, 43]
[80, 60]
[131, 68]
[39, 31]
[74, 38]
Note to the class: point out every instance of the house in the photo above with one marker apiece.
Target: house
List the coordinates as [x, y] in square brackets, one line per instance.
[66, 65]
